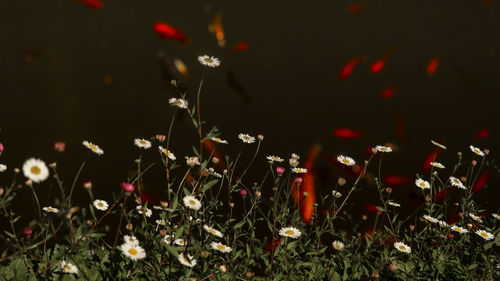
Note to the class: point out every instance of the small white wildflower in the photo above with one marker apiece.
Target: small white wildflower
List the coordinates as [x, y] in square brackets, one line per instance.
[132, 251]
[456, 182]
[209, 61]
[437, 165]
[246, 138]
[220, 247]
[476, 150]
[187, 261]
[422, 184]
[144, 210]
[219, 140]
[394, 204]
[93, 147]
[101, 205]
[192, 161]
[486, 235]
[167, 152]
[431, 219]
[180, 103]
[272, 159]
[402, 247]
[346, 160]
[191, 202]
[476, 218]
[385, 149]
[338, 245]
[291, 232]
[299, 170]
[3, 168]
[438, 144]
[69, 267]
[212, 231]
[458, 229]
[180, 242]
[50, 209]
[130, 239]
[35, 170]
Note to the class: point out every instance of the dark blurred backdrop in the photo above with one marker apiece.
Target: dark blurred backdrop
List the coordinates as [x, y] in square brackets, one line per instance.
[72, 73]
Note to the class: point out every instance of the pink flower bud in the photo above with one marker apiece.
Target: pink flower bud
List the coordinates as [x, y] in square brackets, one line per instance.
[474, 162]
[258, 193]
[486, 151]
[60, 146]
[341, 181]
[231, 204]
[298, 180]
[412, 227]
[260, 137]
[243, 192]
[280, 170]
[87, 185]
[215, 160]
[450, 235]
[160, 138]
[164, 204]
[28, 231]
[223, 268]
[1, 147]
[127, 187]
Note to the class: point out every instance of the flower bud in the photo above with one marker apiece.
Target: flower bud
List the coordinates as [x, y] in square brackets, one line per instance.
[204, 254]
[393, 267]
[336, 194]
[160, 138]
[163, 232]
[53, 165]
[127, 187]
[305, 194]
[215, 160]
[28, 231]
[87, 185]
[260, 137]
[341, 181]
[243, 193]
[412, 227]
[474, 162]
[16, 170]
[258, 193]
[60, 146]
[364, 217]
[1, 147]
[486, 151]
[280, 170]
[129, 226]
[298, 180]
[388, 189]
[231, 204]
[164, 204]
[222, 268]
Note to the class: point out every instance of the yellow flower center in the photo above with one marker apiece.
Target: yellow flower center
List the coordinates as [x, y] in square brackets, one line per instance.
[186, 260]
[221, 247]
[192, 202]
[290, 232]
[402, 248]
[35, 170]
[133, 251]
[93, 146]
[211, 231]
[67, 267]
[345, 161]
[422, 184]
[100, 204]
[209, 60]
[484, 234]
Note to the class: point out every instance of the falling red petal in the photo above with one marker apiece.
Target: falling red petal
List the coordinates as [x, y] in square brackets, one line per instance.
[481, 181]
[356, 7]
[166, 31]
[481, 134]
[433, 65]
[378, 66]
[389, 92]
[148, 198]
[346, 133]
[95, 4]
[396, 180]
[347, 69]
[308, 185]
[442, 194]
[433, 155]
[242, 46]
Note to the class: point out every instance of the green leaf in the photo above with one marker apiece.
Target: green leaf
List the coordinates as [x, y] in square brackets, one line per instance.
[239, 225]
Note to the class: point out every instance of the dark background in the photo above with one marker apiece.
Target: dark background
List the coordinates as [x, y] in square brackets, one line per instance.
[55, 55]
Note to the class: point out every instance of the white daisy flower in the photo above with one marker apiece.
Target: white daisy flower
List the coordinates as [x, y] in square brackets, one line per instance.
[3, 168]
[456, 182]
[290, 232]
[142, 143]
[246, 138]
[101, 205]
[458, 229]
[437, 165]
[438, 144]
[422, 184]
[496, 216]
[212, 231]
[476, 150]
[168, 239]
[486, 235]
[476, 218]
[132, 251]
[191, 202]
[383, 148]
[209, 61]
[219, 140]
[180, 103]
[192, 161]
[299, 170]
[161, 222]
[167, 152]
[187, 261]
[130, 239]
[394, 204]
[431, 219]
[220, 247]
[50, 209]
[180, 242]
[144, 210]
[93, 147]
[35, 170]
[346, 160]
[337, 245]
[402, 247]
[68, 267]
[272, 159]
